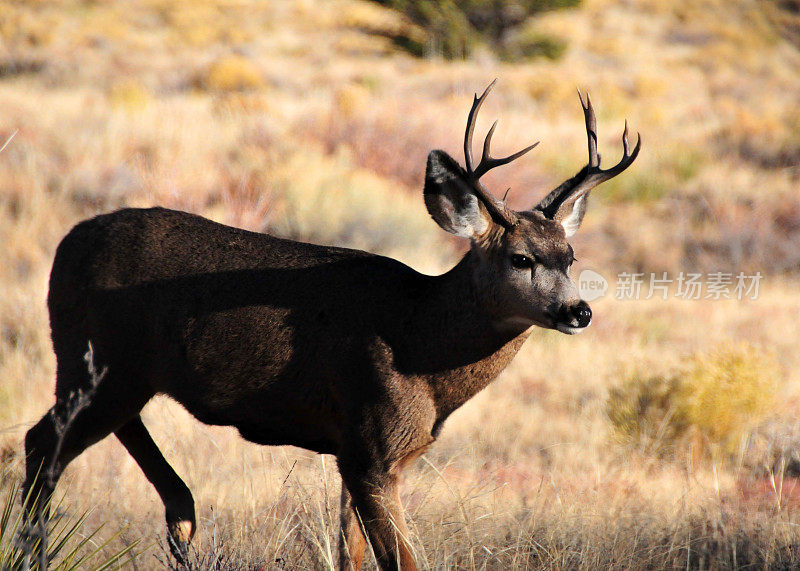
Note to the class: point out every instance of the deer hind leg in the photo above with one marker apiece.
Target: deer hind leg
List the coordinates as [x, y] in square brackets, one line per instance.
[176, 496]
[68, 429]
[376, 500]
[47, 451]
[40, 474]
[351, 541]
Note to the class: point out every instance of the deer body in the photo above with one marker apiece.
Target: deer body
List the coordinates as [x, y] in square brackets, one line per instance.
[257, 332]
[337, 351]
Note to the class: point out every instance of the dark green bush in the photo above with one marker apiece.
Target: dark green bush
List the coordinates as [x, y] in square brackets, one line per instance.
[454, 28]
[529, 44]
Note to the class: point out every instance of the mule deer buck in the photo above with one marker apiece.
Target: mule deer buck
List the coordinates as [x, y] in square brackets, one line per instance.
[337, 351]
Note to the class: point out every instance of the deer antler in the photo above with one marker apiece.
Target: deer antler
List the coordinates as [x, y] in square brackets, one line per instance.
[594, 174]
[497, 208]
[591, 175]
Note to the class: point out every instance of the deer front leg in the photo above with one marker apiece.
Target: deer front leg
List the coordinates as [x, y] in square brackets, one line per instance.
[375, 504]
[351, 539]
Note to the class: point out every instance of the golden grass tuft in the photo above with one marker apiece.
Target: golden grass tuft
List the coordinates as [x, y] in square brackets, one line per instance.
[351, 100]
[129, 94]
[232, 73]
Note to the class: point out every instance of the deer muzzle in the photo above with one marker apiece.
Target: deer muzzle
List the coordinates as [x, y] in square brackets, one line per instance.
[574, 318]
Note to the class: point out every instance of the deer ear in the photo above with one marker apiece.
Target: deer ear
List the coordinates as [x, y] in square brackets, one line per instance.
[451, 200]
[566, 204]
[571, 214]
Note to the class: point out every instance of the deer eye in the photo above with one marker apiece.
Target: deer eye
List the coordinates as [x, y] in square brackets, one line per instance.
[521, 262]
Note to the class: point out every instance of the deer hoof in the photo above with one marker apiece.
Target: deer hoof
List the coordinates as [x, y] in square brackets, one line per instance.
[178, 538]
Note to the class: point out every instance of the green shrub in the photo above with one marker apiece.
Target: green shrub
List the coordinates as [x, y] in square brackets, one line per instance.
[454, 28]
[710, 404]
[642, 412]
[530, 44]
[687, 163]
[643, 187]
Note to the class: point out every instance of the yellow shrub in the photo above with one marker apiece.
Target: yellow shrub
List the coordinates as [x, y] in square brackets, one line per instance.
[725, 392]
[650, 85]
[351, 100]
[232, 73]
[129, 94]
[711, 403]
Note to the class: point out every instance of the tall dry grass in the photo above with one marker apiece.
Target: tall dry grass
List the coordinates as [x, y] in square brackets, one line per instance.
[317, 131]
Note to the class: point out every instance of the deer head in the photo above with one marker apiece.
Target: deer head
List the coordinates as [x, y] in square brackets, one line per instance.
[521, 259]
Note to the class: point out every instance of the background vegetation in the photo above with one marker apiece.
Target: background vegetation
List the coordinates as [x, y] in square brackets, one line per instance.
[453, 28]
[666, 435]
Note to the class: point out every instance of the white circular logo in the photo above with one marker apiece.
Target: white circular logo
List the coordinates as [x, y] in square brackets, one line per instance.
[591, 285]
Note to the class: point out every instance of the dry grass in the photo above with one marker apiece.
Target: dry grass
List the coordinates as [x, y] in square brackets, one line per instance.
[314, 130]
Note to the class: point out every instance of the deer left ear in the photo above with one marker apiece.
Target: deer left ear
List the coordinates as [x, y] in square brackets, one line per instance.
[451, 200]
[571, 213]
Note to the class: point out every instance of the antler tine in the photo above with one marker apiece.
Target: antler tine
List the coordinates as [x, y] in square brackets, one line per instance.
[627, 156]
[497, 208]
[488, 162]
[487, 143]
[625, 139]
[591, 129]
[591, 175]
[594, 174]
[473, 113]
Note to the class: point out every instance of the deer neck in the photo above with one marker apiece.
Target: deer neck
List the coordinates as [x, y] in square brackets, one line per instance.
[462, 348]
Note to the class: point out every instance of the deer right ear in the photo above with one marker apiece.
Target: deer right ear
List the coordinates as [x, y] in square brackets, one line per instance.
[450, 198]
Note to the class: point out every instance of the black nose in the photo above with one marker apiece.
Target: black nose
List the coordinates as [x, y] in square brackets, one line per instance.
[582, 313]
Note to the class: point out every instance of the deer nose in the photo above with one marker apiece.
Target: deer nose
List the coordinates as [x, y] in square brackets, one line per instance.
[582, 313]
